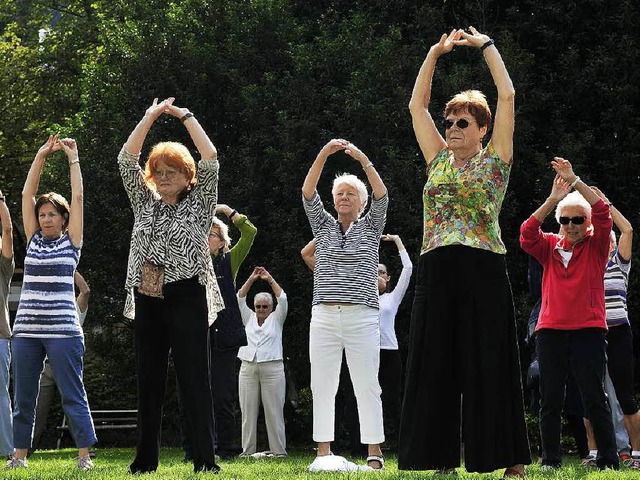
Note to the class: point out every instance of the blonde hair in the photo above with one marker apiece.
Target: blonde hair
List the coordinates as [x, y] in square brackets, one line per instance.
[175, 155]
[474, 102]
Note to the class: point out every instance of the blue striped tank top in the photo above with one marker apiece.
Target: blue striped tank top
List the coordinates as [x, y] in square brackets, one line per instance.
[47, 306]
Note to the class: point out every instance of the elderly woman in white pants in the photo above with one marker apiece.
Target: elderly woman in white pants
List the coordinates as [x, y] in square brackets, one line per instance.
[261, 376]
[345, 313]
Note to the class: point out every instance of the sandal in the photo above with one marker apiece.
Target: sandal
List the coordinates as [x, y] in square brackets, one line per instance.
[376, 458]
[512, 472]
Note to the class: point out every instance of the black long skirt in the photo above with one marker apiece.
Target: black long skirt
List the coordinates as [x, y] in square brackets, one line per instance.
[463, 370]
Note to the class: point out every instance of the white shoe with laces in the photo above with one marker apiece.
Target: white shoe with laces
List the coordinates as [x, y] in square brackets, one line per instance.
[15, 462]
[85, 463]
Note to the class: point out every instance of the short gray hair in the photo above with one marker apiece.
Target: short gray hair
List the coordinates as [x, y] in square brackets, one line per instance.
[224, 232]
[355, 182]
[263, 295]
[574, 199]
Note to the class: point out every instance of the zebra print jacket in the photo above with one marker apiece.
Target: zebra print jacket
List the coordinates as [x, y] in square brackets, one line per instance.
[175, 236]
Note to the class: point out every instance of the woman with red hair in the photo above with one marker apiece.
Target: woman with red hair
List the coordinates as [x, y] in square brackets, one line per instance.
[172, 293]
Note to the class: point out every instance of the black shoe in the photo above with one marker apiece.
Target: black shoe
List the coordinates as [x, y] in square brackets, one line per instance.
[206, 467]
[139, 469]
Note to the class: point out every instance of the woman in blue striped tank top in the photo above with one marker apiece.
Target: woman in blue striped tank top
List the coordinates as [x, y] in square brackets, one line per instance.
[47, 321]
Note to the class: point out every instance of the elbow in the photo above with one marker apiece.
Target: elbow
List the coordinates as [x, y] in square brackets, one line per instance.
[415, 106]
[507, 94]
[78, 197]
[7, 229]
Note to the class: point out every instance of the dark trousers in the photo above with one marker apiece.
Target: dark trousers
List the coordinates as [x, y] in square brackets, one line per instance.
[390, 378]
[224, 386]
[177, 323]
[621, 363]
[463, 357]
[582, 351]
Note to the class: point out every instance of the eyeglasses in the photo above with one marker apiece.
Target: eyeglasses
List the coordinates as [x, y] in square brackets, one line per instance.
[460, 123]
[215, 235]
[261, 306]
[168, 174]
[574, 220]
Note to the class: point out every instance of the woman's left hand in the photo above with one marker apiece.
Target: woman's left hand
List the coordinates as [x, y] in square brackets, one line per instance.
[175, 111]
[564, 169]
[389, 238]
[355, 153]
[473, 39]
[70, 148]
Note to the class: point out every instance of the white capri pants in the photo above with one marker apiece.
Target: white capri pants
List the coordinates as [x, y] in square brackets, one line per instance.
[356, 329]
[262, 382]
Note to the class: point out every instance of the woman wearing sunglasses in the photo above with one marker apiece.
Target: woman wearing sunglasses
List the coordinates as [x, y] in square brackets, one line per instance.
[572, 323]
[463, 342]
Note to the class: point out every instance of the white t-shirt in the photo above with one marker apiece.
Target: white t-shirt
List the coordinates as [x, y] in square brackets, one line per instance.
[389, 303]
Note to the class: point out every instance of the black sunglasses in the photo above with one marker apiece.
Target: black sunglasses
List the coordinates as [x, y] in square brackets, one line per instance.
[460, 123]
[574, 220]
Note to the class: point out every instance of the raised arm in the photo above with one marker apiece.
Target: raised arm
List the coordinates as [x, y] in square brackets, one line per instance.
[427, 134]
[313, 175]
[244, 290]
[564, 169]
[503, 125]
[395, 239]
[247, 234]
[76, 209]
[309, 254]
[7, 228]
[30, 189]
[625, 242]
[200, 138]
[266, 276]
[83, 297]
[559, 190]
[377, 186]
[136, 138]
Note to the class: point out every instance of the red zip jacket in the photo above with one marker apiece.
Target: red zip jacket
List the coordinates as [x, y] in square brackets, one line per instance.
[572, 297]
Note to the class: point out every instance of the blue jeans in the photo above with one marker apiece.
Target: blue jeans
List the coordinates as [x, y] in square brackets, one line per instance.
[65, 357]
[6, 430]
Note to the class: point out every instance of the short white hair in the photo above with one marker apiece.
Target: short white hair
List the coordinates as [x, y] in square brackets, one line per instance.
[574, 199]
[224, 232]
[263, 295]
[355, 182]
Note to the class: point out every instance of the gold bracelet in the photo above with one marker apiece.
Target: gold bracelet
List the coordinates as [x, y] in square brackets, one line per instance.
[370, 164]
[75, 160]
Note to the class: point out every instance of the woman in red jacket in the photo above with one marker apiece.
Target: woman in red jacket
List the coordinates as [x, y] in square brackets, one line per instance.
[571, 328]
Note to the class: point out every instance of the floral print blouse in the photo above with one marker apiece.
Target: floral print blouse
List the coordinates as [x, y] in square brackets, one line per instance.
[461, 205]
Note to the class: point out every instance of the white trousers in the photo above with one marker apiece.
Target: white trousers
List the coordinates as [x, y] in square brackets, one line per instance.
[262, 382]
[356, 329]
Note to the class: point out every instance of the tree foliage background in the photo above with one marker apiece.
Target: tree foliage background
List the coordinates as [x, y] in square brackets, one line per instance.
[272, 81]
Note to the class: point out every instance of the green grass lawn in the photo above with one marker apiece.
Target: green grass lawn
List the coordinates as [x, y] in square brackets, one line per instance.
[113, 463]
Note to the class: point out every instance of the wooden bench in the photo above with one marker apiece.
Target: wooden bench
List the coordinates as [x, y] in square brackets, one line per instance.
[105, 420]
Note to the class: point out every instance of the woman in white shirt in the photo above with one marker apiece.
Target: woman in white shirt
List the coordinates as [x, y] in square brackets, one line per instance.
[390, 373]
[262, 372]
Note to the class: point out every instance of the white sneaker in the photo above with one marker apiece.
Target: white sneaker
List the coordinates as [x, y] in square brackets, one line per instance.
[15, 462]
[335, 463]
[85, 463]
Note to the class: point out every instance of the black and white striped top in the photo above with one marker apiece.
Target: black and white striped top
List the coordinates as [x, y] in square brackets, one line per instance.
[346, 268]
[616, 281]
[176, 236]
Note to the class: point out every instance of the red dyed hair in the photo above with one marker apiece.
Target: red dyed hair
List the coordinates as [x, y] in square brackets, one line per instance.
[175, 155]
[474, 102]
